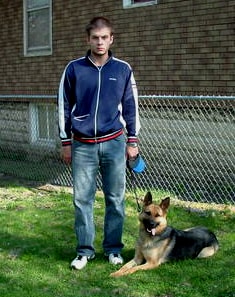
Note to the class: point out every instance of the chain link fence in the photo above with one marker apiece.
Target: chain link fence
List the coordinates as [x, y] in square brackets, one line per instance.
[188, 143]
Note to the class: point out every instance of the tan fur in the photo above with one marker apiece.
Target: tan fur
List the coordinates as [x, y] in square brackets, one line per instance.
[208, 252]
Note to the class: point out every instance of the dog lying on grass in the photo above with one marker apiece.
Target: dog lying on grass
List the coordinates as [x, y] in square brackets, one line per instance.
[159, 243]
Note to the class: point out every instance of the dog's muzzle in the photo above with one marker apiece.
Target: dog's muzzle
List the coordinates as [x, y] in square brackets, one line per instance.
[150, 226]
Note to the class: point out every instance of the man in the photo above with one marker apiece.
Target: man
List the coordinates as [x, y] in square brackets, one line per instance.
[97, 102]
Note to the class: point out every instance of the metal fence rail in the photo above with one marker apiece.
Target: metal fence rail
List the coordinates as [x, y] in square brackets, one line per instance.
[187, 142]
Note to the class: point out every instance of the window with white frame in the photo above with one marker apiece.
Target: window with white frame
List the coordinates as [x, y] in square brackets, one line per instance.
[37, 27]
[138, 3]
[42, 124]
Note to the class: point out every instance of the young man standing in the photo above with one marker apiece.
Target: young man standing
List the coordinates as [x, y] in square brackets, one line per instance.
[99, 124]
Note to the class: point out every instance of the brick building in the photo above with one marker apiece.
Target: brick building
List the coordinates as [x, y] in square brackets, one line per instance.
[174, 46]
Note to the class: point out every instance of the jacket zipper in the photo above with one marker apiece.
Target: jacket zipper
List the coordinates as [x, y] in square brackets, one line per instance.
[98, 94]
[97, 100]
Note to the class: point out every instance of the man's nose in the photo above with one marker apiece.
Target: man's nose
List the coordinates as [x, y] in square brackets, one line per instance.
[99, 40]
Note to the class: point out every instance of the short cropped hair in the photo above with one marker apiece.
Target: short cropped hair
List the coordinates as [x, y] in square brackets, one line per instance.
[99, 22]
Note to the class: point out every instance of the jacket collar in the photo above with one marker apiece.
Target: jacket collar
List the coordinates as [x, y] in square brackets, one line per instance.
[88, 56]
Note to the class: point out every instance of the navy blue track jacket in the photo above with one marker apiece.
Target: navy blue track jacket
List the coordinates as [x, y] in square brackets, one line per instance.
[96, 104]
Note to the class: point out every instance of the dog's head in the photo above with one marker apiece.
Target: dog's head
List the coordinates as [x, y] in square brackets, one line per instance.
[153, 217]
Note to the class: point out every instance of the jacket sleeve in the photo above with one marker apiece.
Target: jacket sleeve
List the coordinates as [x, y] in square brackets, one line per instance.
[65, 105]
[131, 109]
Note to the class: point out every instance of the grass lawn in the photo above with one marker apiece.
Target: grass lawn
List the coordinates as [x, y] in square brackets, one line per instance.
[37, 243]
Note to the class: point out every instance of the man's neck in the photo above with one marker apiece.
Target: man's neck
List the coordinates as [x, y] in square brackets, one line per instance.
[99, 60]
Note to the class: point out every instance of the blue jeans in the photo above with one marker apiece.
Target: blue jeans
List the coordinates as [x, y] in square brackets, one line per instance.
[108, 157]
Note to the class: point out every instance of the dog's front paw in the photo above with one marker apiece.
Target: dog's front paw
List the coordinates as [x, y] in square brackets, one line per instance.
[126, 269]
[115, 274]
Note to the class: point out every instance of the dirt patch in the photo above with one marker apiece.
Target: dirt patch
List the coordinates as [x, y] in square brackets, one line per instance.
[7, 181]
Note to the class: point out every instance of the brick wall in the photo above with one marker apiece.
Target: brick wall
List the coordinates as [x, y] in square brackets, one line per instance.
[175, 47]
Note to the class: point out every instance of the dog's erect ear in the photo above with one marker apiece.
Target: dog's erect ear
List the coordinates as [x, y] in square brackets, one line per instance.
[165, 203]
[148, 199]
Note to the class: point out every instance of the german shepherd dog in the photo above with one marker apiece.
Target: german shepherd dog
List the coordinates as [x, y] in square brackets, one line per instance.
[159, 243]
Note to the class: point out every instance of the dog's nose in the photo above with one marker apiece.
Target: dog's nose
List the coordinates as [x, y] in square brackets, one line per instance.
[153, 224]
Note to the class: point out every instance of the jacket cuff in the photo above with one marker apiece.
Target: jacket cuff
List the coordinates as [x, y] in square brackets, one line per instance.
[66, 142]
[131, 139]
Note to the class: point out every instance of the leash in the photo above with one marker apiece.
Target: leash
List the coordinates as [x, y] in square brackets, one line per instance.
[133, 184]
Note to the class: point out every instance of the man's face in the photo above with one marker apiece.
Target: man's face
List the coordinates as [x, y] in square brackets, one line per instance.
[100, 41]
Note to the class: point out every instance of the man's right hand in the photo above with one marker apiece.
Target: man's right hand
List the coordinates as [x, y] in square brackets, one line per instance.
[66, 154]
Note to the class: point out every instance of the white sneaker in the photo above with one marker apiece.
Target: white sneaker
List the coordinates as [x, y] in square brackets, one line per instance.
[80, 261]
[115, 259]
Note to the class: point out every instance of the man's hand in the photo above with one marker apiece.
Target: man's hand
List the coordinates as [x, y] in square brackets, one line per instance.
[132, 152]
[66, 154]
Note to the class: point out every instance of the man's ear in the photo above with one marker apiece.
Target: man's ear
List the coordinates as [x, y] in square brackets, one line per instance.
[111, 40]
[88, 39]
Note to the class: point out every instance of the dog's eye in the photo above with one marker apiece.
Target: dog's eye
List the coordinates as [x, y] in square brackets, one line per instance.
[148, 213]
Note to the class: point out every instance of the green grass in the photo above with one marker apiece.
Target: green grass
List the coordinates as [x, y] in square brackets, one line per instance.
[37, 243]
